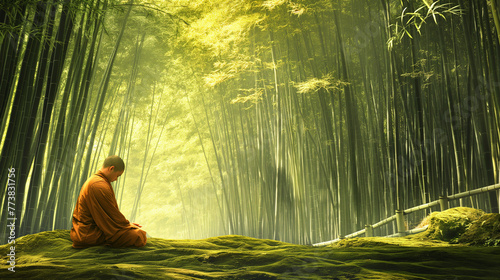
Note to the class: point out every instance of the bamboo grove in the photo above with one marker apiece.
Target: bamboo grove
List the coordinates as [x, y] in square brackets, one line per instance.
[299, 121]
[325, 116]
[59, 98]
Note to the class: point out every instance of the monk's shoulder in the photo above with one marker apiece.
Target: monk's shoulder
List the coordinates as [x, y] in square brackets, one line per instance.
[97, 183]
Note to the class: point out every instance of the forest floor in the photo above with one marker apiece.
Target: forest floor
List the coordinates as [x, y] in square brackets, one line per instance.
[443, 251]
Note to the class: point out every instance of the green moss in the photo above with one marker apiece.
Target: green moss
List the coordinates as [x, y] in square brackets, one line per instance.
[408, 241]
[452, 227]
[484, 231]
[449, 225]
[49, 255]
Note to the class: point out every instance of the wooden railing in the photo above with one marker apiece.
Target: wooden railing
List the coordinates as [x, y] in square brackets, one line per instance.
[443, 202]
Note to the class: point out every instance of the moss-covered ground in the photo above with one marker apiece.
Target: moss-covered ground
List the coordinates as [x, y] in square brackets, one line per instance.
[49, 255]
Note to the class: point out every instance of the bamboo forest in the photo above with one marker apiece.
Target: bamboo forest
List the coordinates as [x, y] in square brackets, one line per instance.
[296, 121]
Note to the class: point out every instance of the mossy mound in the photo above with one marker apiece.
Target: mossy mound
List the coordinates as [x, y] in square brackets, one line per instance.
[462, 225]
[484, 231]
[407, 241]
[449, 225]
[49, 255]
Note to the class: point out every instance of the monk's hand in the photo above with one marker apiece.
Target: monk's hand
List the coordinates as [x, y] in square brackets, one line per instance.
[137, 225]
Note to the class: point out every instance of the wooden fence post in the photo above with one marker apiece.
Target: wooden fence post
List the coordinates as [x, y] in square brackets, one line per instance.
[400, 221]
[368, 231]
[443, 202]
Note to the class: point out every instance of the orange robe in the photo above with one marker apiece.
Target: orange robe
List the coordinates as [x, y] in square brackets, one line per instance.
[97, 219]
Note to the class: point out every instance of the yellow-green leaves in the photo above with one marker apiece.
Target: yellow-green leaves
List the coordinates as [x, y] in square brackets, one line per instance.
[220, 31]
[428, 3]
[418, 17]
[271, 4]
[327, 82]
[294, 8]
[217, 77]
[254, 97]
[225, 71]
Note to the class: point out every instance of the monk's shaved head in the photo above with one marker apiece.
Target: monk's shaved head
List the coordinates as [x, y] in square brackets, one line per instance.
[115, 161]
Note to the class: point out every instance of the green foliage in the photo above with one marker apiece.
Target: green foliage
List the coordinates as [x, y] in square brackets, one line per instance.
[414, 20]
[327, 83]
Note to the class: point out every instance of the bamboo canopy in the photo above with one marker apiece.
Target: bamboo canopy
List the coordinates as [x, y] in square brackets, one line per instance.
[300, 121]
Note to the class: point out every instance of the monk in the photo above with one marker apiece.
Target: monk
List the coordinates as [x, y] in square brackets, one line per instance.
[97, 219]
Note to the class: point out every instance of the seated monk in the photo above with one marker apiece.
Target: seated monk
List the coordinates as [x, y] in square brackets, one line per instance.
[97, 219]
